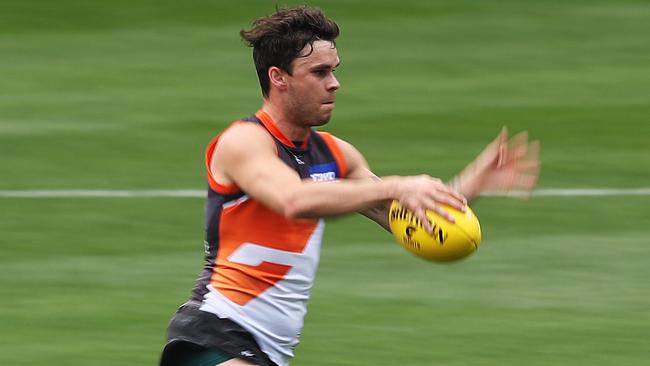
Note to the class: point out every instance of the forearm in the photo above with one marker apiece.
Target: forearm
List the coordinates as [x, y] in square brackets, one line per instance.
[317, 199]
[379, 214]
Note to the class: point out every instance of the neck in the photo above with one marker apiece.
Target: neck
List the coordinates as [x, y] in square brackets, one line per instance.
[290, 127]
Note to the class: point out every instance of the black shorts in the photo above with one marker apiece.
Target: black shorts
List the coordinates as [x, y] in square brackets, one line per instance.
[193, 328]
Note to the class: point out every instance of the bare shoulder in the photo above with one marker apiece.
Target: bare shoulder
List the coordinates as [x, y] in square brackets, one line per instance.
[244, 135]
[238, 146]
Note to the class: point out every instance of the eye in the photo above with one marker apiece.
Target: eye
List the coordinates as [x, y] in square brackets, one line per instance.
[320, 73]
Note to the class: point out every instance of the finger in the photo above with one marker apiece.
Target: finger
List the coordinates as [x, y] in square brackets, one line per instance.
[502, 146]
[525, 185]
[459, 204]
[444, 213]
[420, 213]
[527, 182]
[526, 179]
[503, 135]
[532, 166]
[529, 162]
[502, 138]
[526, 165]
[511, 180]
[440, 190]
[456, 196]
[529, 167]
[494, 152]
[518, 153]
[518, 146]
[438, 207]
[447, 195]
[533, 151]
[521, 137]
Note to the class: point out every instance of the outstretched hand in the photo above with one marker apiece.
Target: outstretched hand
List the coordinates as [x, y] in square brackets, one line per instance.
[506, 167]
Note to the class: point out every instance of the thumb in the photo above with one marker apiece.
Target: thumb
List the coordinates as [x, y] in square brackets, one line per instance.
[502, 141]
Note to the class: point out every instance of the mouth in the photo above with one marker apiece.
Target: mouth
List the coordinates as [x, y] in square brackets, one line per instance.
[328, 105]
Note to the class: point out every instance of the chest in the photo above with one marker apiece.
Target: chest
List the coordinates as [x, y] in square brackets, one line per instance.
[316, 162]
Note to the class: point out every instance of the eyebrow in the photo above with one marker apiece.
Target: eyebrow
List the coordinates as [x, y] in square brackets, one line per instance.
[324, 66]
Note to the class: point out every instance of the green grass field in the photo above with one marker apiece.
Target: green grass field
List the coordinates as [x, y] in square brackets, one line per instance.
[126, 94]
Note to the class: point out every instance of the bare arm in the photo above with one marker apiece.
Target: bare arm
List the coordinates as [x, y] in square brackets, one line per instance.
[507, 167]
[378, 213]
[504, 166]
[256, 169]
[360, 170]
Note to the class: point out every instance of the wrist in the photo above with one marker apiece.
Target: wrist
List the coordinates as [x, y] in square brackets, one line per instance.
[391, 190]
[464, 185]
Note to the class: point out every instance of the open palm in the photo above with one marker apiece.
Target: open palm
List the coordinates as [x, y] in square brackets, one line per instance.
[506, 167]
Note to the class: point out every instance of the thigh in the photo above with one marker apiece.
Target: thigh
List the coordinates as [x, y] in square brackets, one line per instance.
[187, 354]
[236, 362]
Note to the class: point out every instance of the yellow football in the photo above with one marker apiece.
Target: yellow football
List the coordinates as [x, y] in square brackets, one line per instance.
[449, 241]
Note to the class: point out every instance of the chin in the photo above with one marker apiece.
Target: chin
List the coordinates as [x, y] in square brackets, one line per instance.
[324, 116]
[323, 120]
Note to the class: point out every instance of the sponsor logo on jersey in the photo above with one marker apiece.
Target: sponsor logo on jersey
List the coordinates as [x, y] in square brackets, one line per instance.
[323, 172]
[300, 162]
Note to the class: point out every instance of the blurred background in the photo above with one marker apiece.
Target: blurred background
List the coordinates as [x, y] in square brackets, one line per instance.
[125, 95]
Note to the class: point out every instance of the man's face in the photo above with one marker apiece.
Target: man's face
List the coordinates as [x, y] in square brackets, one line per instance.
[312, 85]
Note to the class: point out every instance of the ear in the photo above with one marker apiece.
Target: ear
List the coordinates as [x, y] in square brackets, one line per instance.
[277, 77]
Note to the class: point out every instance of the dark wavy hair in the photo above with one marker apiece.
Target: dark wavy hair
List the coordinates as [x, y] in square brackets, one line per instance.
[277, 39]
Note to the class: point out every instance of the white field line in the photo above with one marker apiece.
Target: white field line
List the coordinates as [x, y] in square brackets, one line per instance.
[578, 192]
[200, 193]
[103, 193]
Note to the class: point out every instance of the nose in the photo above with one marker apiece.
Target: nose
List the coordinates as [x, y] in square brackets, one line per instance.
[333, 83]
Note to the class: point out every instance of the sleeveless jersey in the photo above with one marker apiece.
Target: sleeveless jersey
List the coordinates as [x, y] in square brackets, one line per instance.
[259, 265]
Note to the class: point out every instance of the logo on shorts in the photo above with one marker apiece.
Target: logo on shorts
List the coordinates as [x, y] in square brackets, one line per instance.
[247, 353]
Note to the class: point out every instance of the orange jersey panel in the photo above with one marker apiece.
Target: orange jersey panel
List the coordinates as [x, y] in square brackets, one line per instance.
[251, 222]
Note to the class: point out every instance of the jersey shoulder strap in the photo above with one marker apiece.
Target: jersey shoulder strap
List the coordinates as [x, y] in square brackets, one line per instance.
[334, 148]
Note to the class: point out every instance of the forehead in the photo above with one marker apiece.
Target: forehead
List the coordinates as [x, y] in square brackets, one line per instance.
[319, 52]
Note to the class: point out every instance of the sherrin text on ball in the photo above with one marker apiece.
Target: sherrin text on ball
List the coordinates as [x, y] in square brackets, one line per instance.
[449, 241]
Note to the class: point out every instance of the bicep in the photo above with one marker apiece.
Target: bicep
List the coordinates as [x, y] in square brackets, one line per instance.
[247, 156]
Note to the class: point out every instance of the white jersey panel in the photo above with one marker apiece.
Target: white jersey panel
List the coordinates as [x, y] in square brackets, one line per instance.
[276, 335]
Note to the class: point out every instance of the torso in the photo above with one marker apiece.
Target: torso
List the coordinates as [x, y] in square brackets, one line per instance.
[260, 266]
